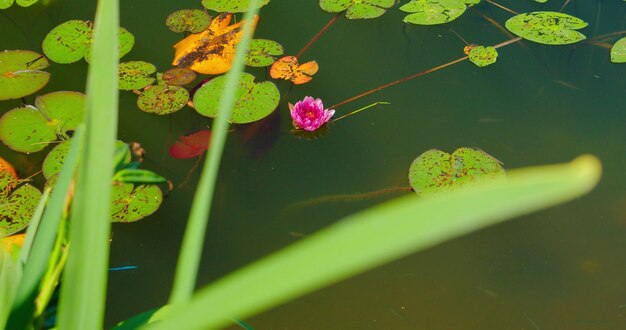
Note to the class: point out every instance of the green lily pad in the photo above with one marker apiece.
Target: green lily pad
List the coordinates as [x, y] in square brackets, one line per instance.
[547, 27]
[254, 101]
[70, 41]
[135, 75]
[4, 4]
[188, 20]
[125, 43]
[55, 159]
[262, 51]
[163, 99]
[431, 12]
[17, 208]
[26, 3]
[436, 171]
[132, 203]
[20, 73]
[67, 42]
[31, 128]
[357, 9]
[482, 56]
[471, 2]
[230, 6]
[618, 51]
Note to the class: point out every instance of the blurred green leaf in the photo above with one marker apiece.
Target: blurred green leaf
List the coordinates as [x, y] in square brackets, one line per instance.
[618, 51]
[138, 176]
[231, 6]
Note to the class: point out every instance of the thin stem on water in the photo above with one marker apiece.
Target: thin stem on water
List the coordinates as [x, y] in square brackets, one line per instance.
[318, 35]
[502, 7]
[564, 5]
[399, 81]
[359, 110]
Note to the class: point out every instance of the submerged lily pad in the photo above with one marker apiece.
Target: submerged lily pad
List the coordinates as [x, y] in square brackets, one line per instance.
[17, 208]
[254, 101]
[178, 76]
[547, 27]
[618, 51]
[230, 6]
[436, 171]
[20, 73]
[361, 9]
[135, 75]
[188, 20]
[430, 12]
[163, 99]
[31, 128]
[132, 203]
[262, 51]
[483, 56]
[70, 41]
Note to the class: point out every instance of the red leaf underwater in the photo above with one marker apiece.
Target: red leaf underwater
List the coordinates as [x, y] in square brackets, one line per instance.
[191, 145]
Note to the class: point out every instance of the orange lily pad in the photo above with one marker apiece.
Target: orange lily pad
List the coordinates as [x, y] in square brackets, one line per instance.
[212, 50]
[288, 68]
[7, 243]
[8, 177]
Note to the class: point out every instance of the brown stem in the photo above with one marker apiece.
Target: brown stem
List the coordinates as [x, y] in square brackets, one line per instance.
[600, 44]
[564, 5]
[319, 34]
[608, 35]
[502, 7]
[502, 44]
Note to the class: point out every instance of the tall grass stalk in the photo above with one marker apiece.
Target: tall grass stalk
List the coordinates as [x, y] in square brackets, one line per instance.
[85, 276]
[193, 241]
[376, 236]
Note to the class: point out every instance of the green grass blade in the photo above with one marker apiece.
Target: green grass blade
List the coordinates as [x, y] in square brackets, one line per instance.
[10, 274]
[85, 276]
[193, 241]
[43, 242]
[376, 236]
[33, 225]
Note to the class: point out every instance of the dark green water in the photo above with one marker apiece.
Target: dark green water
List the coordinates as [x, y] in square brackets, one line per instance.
[563, 268]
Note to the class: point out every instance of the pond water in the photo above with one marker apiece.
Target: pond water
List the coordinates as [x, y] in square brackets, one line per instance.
[562, 268]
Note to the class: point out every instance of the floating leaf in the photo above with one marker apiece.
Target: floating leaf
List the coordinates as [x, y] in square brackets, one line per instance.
[163, 99]
[254, 101]
[188, 20]
[288, 68]
[360, 9]
[430, 12]
[55, 159]
[212, 50]
[135, 75]
[541, 1]
[482, 56]
[437, 171]
[191, 145]
[547, 27]
[618, 51]
[31, 128]
[17, 208]
[230, 6]
[70, 41]
[8, 178]
[262, 51]
[178, 76]
[4, 4]
[132, 203]
[134, 175]
[20, 73]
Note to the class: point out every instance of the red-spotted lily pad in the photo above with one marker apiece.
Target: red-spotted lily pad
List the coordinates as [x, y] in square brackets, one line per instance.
[188, 20]
[20, 73]
[437, 171]
[483, 56]
[361, 9]
[135, 75]
[430, 12]
[547, 27]
[16, 205]
[618, 51]
[162, 98]
[31, 128]
[230, 6]
[71, 41]
[4, 4]
[263, 52]
[132, 203]
[191, 145]
[254, 101]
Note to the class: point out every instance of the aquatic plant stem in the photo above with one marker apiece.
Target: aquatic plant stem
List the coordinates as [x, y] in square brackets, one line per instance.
[399, 81]
[502, 7]
[318, 35]
[193, 241]
[359, 110]
[564, 5]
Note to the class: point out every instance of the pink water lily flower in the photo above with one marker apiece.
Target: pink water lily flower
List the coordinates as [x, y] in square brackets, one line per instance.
[309, 114]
